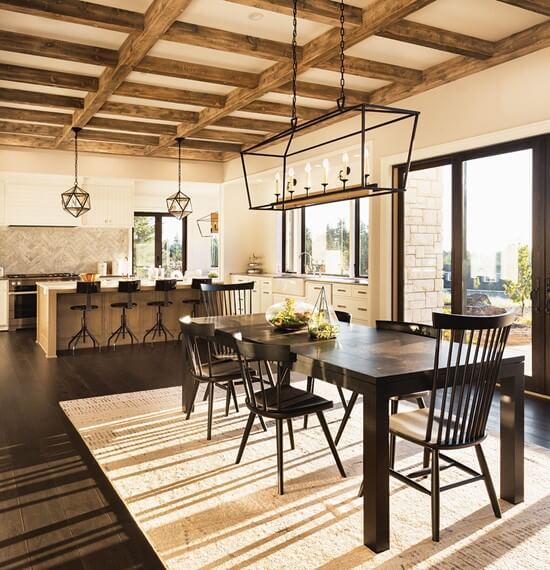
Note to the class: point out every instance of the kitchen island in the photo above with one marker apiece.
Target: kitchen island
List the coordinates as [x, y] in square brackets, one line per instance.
[57, 323]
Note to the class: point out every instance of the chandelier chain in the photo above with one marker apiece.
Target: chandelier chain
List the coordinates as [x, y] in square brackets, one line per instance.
[342, 99]
[179, 164]
[294, 117]
[76, 156]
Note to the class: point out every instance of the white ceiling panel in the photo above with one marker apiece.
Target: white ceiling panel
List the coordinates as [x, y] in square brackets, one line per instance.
[68, 112]
[305, 101]
[42, 89]
[50, 64]
[178, 83]
[332, 78]
[277, 118]
[132, 5]
[132, 118]
[153, 103]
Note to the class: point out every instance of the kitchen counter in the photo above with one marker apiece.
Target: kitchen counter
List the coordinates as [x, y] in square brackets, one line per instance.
[310, 277]
[57, 323]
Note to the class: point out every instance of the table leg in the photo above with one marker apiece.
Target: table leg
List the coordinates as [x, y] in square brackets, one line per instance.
[511, 435]
[376, 500]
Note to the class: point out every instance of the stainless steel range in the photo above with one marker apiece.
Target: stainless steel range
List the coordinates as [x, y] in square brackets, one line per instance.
[22, 296]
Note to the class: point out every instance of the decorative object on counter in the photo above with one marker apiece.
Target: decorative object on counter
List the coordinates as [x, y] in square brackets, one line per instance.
[102, 268]
[179, 204]
[290, 315]
[254, 265]
[89, 277]
[165, 286]
[213, 274]
[127, 287]
[88, 288]
[209, 225]
[76, 200]
[349, 182]
[323, 324]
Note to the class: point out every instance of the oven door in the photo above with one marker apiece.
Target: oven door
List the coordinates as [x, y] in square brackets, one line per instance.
[22, 307]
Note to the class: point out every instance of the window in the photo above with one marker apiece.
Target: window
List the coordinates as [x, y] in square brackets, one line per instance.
[362, 244]
[159, 240]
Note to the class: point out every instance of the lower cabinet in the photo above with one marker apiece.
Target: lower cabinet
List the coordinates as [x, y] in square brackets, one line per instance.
[4, 307]
[353, 299]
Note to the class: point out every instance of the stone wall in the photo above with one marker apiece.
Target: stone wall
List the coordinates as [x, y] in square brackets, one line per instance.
[423, 292]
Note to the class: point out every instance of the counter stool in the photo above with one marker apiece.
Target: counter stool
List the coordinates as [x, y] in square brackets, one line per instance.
[87, 288]
[128, 287]
[164, 285]
[196, 283]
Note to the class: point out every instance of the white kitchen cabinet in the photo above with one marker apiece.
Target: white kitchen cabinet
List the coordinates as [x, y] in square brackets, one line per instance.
[112, 207]
[313, 290]
[266, 293]
[256, 297]
[4, 307]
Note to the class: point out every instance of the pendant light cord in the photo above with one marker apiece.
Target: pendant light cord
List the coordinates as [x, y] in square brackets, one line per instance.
[341, 101]
[75, 130]
[179, 164]
[294, 118]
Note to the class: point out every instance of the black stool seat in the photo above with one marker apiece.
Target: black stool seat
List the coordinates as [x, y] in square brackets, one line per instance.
[128, 287]
[123, 305]
[159, 303]
[84, 307]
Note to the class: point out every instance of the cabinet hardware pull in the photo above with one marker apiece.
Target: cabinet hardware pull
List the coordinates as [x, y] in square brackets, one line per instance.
[341, 306]
[361, 309]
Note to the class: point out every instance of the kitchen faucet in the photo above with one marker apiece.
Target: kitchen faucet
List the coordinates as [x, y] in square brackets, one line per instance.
[310, 266]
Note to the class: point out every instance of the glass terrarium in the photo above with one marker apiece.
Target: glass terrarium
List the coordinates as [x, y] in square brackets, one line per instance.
[323, 323]
[290, 315]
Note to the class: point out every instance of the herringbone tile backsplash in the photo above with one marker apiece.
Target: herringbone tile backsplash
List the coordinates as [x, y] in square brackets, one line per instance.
[44, 250]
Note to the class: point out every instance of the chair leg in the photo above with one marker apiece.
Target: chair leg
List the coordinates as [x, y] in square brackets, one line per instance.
[246, 433]
[346, 417]
[361, 489]
[342, 397]
[309, 388]
[190, 408]
[279, 435]
[264, 427]
[435, 495]
[394, 406]
[426, 461]
[326, 431]
[290, 433]
[488, 481]
[234, 396]
[210, 409]
[227, 398]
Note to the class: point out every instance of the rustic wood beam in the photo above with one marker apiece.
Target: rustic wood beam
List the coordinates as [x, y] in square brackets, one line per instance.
[41, 99]
[56, 49]
[373, 69]
[146, 91]
[324, 11]
[539, 6]
[109, 136]
[378, 16]
[324, 92]
[197, 72]
[281, 109]
[211, 145]
[160, 15]
[437, 38]
[228, 136]
[29, 129]
[148, 112]
[507, 49]
[32, 116]
[213, 38]
[45, 77]
[87, 13]
[144, 127]
[9, 139]
[250, 124]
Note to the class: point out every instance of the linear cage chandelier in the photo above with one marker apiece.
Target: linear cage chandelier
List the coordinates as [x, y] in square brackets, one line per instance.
[179, 204]
[209, 225]
[75, 200]
[295, 169]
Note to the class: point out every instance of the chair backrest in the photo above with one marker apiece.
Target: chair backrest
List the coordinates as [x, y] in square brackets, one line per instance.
[408, 328]
[226, 300]
[468, 354]
[264, 366]
[129, 286]
[165, 284]
[196, 282]
[343, 316]
[88, 287]
[197, 343]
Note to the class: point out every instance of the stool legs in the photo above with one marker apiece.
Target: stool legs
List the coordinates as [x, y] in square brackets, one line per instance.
[82, 334]
[123, 330]
[158, 328]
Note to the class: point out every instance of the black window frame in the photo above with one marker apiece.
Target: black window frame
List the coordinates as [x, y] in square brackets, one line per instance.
[158, 238]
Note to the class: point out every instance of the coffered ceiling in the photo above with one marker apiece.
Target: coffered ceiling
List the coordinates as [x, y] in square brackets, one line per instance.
[136, 74]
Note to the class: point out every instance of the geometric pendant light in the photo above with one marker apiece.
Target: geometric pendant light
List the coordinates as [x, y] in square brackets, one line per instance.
[76, 200]
[179, 204]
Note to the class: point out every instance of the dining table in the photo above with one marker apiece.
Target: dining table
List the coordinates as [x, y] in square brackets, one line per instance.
[380, 364]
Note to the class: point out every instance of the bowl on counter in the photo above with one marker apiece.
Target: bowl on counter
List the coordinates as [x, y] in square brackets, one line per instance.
[89, 277]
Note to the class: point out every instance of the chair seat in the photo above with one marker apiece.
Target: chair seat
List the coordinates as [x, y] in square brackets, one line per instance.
[159, 303]
[293, 402]
[194, 301]
[225, 370]
[122, 304]
[84, 307]
[412, 426]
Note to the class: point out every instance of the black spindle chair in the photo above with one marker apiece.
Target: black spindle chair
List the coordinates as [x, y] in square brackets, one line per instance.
[196, 283]
[465, 374]
[227, 299]
[276, 398]
[198, 342]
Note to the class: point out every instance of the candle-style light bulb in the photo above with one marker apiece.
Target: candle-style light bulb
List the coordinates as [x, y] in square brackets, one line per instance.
[367, 170]
[308, 175]
[325, 170]
[277, 179]
[345, 160]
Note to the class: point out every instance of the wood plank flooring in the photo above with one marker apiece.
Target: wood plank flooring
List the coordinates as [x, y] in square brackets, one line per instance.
[52, 513]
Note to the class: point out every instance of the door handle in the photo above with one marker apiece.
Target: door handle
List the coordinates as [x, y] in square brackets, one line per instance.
[535, 296]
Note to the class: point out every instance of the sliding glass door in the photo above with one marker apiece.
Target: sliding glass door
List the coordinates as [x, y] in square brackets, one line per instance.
[472, 237]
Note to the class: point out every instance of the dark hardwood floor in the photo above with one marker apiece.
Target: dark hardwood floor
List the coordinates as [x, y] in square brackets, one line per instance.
[52, 513]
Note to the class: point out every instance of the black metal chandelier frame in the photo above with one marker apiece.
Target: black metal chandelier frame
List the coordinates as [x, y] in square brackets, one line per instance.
[288, 200]
[76, 201]
[179, 204]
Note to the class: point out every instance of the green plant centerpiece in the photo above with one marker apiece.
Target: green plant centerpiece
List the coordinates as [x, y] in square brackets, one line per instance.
[290, 315]
[323, 324]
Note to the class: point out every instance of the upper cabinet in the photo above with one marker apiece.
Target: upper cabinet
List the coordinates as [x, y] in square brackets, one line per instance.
[111, 207]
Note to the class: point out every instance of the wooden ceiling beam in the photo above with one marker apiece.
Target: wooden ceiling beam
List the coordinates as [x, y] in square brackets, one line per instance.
[323, 11]
[245, 123]
[228, 136]
[40, 99]
[378, 16]
[144, 127]
[110, 136]
[539, 6]
[146, 91]
[437, 38]
[213, 38]
[211, 145]
[197, 72]
[373, 69]
[29, 129]
[32, 116]
[281, 109]
[148, 112]
[324, 92]
[77, 12]
[57, 49]
[160, 15]
[35, 76]
[10, 139]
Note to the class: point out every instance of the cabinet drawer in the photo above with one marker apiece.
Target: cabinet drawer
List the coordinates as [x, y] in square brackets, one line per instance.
[360, 291]
[313, 291]
[266, 285]
[341, 290]
[360, 310]
[342, 305]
